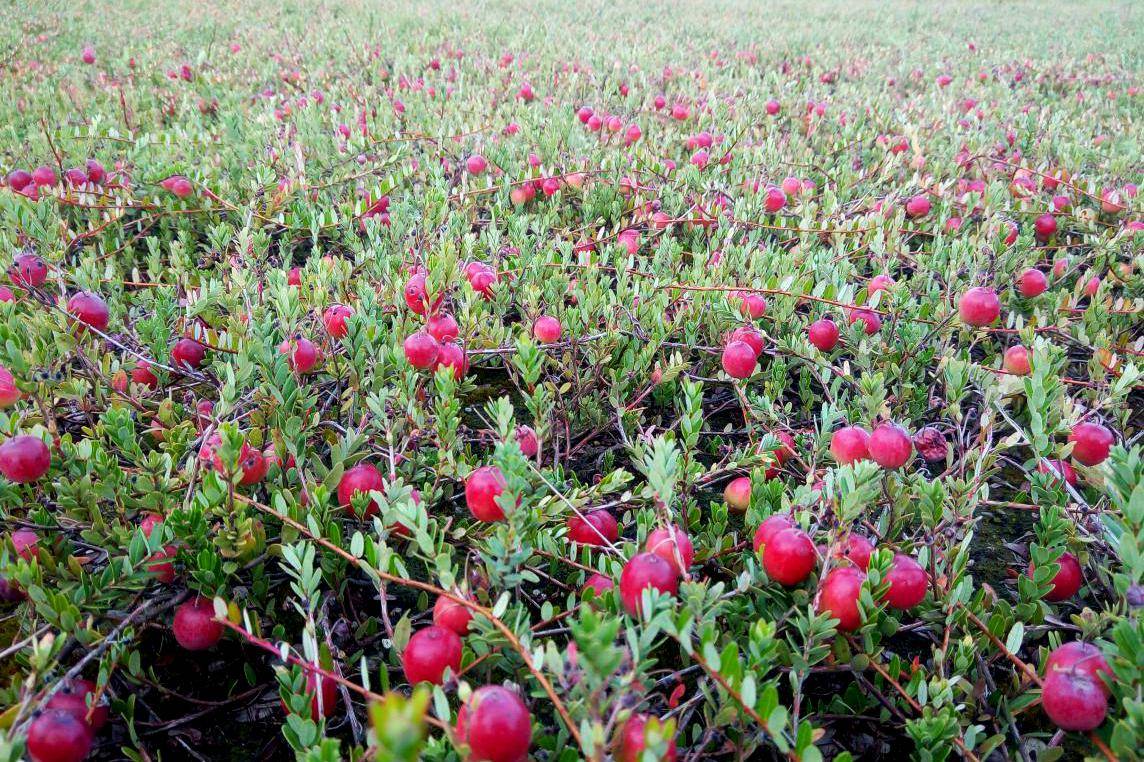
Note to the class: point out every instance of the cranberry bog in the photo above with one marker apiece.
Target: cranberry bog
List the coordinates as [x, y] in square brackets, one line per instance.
[557, 381]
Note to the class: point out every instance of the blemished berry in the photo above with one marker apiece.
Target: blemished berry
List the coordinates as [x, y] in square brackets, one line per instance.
[334, 319]
[1091, 442]
[789, 557]
[195, 627]
[56, 735]
[429, 652]
[496, 725]
[1067, 581]
[838, 596]
[855, 548]
[642, 571]
[28, 270]
[482, 489]
[908, 582]
[597, 528]
[362, 478]
[24, 459]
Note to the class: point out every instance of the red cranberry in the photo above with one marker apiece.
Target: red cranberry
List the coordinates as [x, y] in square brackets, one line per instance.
[421, 350]
[890, 446]
[57, 736]
[771, 526]
[496, 725]
[24, 542]
[28, 270]
[871, 321]
[931, 444]
[1057, 469]
[737, 494]
[334, 319]
[417, 297]
[850, 444]
[739, 359]
[642, 571]
[547, 329]
[362, 478]
[451, 615]
[1091, 443]
[1067, 580]
[672, 545]
[452, 356]
[598, 528]
[302, 354]
[823, 334]
[526, 439]
[1073, 700]
[633, 742]
[77, 697]
[979, 306]
[1016, 361]
[838, 596]
[1045, 226]
[1082, 657]
[599, 583]
[482, 489]
[187, 353]
[1032, 282]
[195, 626]
[429, 652]
[24, 459]
[442, 327]
[907, 583]
[44, 176]
[856, 548]
[789, 557]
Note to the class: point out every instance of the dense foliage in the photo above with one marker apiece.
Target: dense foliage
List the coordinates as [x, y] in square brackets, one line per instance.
[643, 382]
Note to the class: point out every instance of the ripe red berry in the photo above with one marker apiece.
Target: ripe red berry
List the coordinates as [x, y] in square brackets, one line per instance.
[417, 297]
[1045, 226]
[838, 596]
[527, 441]
[789, 557]
[823, 334]
[737, 494]
[451, 615]
[918, 206]
[750, 335]
[251, 463]
[442, 327]
[871, 321]
[1057, 469]
[547, 329]
[452, 355]
[143, 375]
[890, 446]
[1067, 580]
[195, 626]
[476, 164]
[979, 306]
[1082, 657]
[642, 571]
[599, 583]
[850, 444]
[89, 309]
[1091, 443]
[1073, 700]
[881, 282]
[739, 359]
[323, 694]
[334, 319]
[421, 350]
[187, 353]
[75, 697]
[496, 725]
[856, 548]
[362, 478]
[18, 179]
[633, 742]
[44, 176]
[771, 526]
[24, 542]
[753, 306]
[597, 528]
[672, 545]
[774, 200]
[57, 735]
[302, 354]
[482, 489]
[907, 581]
[24, 459]
[28, 270]
[1032, 282]
[429, 652]
[9, 393]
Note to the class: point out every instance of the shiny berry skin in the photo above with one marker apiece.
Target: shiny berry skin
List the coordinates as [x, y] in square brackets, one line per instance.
[89, 309]
[482, 489]
[871, 321]
[737, 494]
[850, 444]
[1073, 700]
[482, 279]
[907, 581]
[429, 652]
[1091, 443]
[526, 439]
[159, 564]
[878, 283]
[57, 735]
[143, 375]
[789, 557]
[979, 307]
[1016, 361]
[44, 176]
[1067, 580]
[750, 335]
[496, 725]
[838, 596]
[667, 543]
[18, 179]
[1082, 657]
[632, 741]
[421, 350]
[823, 334]
[1056, 469]
[890, 446]
[1045, 226]
[771, 526]
[251, 462]
[195, 626]
[856, 548]
[642, 571]
[24, 542]
[597, 528]
[599, 583]
[28, 270]
[451, 615]
[774, 200]
[416, 296]
[324, 705]
[362, 478]
[918, 206]
[9, 393]
[334, 319]
[72, 697]
[187, 353]
[547, 329]
[451, 355]
[476, 164]
[442, 327]
[753, 306]
[1031, 283]
[739, 359]
[24, 459]
[96, 174]
[302, 354]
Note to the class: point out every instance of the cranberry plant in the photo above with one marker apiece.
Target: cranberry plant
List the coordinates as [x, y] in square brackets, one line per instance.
[389, 382]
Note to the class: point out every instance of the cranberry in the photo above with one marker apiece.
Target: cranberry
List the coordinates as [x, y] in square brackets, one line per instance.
[930, 443]
[871, 321]
[789, 556]
[417, 297]
[771, 526]
[24, 459]
[195, 626]
[1091, 443]
[9, 393]
[1057, 469]
[452, 356]
[442, 327]
[642, 571]
[1074, 700]
[907, 581]
[547, 329]
[77, 697]
[28, 270]
[526, 439]
[429, 652]
[889, 446]
[856, 548]
[89, 309]
[1032, 282]
[1080, 656]
[421, 350]
[1067, 581]
[823, 334]
[57, 735]
[599, 583]
[476, 164]
[496, 725]
[918, 206]
[1016, 361]
[251, 463]
[482, 489]
[774, 199]
[739, 359]
[979, 306]
[1045, 226]
[187, 353]
[633, 741]
[672, 545]
[24, 542]
[334, 319]
[361, 479]
[597, 528]
[44, 176]
[850, 444]
[451, 615]
[18, 179]
[750, 335]
[323, 694]
[737, 494]
[302, 354]
[143, 375]
[838, 596]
